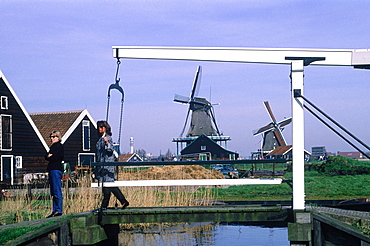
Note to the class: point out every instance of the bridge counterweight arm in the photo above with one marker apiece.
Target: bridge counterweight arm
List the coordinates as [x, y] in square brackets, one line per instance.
[328, 57]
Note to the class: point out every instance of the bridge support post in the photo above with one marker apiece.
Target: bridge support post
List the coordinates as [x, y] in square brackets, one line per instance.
[300, 232]
[112, 232]
[298, 135]
[86, 230]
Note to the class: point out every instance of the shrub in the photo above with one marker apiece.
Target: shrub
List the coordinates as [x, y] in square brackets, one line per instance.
[339, 165]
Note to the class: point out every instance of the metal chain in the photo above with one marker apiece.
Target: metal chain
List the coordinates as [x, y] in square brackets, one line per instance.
[120, 124]
[116, 86]
[118, 64]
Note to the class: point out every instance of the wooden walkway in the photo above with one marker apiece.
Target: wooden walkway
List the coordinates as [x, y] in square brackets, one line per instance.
[219, 213]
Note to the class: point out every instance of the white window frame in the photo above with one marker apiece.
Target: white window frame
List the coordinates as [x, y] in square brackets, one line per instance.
[202, 157]
[79, 154]
[1, 132]
[203, 147]
[4, 102]
[18, 161]
[85, 123]
[11, 168]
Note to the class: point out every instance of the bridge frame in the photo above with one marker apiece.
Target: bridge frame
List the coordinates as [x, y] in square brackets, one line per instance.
[193, 182]
[296, 58]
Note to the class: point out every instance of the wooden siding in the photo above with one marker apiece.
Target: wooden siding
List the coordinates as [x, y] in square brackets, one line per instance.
[74, 145]
[25, 141]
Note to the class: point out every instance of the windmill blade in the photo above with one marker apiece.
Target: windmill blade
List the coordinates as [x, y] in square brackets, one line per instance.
[186, 122]
[284, 122]
[196, 84]
[214, 121]
[264, 129]
[181, 99]
[279, 137]
[269, 111]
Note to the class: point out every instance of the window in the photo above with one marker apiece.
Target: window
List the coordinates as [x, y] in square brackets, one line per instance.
[5, 132]
[203, 147]
[86, 135]
[85, 159]
[18, 161]
[203, 157]
[4, 102]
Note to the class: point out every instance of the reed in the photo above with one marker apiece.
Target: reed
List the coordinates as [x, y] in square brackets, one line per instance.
[83, 198]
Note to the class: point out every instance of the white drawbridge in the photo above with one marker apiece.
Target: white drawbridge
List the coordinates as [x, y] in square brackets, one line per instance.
[296, 58]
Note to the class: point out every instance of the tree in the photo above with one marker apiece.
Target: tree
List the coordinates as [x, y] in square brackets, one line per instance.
[141, 153]
[169, 153]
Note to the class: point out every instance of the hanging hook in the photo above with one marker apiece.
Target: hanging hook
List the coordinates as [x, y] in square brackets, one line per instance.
[118, 63]
[116, 85]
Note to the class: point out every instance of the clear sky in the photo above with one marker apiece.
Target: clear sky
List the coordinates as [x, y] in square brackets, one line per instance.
[57, 55]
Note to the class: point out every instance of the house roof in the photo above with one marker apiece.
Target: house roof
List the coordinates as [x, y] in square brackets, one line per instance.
[205, 140]
[128, 157]
[65, 122]
[281, 150]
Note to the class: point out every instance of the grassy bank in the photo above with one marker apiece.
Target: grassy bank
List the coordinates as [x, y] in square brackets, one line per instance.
[317, 187]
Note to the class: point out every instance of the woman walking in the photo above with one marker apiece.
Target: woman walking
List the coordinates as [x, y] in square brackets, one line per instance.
[55, 157]
[105, 153]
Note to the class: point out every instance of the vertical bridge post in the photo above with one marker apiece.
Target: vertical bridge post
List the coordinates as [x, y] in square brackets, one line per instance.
[298, 135]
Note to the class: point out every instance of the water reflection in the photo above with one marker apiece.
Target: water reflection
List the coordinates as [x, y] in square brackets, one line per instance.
[207, 234]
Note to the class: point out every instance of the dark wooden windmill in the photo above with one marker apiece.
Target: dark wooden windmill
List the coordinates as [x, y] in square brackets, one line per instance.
[203, 119]
[272, 132]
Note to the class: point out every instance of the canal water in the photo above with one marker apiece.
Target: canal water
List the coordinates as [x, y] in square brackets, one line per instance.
[207, 234]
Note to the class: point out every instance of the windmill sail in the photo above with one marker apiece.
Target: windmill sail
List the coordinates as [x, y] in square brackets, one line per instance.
[202, 117]
[272, 132]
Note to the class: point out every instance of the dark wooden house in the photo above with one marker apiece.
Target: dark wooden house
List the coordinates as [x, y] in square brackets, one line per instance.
[205, 148]
[79, 134]
[22, 147]
[24, 138]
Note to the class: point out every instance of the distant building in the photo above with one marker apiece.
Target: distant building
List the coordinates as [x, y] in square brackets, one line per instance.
[207, 149]
[318, 153]
[352, 155]
[129, 158]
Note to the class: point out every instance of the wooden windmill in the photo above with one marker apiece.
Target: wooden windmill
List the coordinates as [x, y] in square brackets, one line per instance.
[203, 119]
[272, 132]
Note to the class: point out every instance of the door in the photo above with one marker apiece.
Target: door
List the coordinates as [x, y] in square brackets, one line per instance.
[7, 168]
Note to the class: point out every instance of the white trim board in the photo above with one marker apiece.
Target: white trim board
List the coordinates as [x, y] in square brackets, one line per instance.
[189, 182]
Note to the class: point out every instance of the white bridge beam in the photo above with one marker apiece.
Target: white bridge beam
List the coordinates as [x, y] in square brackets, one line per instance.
[189, 182]
[296, 58]
[333, 57]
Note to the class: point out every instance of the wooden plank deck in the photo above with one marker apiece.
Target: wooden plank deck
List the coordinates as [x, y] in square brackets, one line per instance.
[224, 213]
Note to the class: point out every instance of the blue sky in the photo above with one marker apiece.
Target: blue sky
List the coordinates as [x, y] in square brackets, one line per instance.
[57, 55]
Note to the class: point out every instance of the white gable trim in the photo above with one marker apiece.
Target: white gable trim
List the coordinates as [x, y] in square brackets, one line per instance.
[133, 155]
[25, 112]
[76, 123]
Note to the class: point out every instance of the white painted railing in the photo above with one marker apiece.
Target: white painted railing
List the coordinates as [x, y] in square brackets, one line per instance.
[189, 182]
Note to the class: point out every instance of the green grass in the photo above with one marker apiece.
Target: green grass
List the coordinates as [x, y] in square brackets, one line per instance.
[317, 187]
[12, 233]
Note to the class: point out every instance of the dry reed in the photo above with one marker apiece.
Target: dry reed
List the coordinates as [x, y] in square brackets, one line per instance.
[85, 198]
